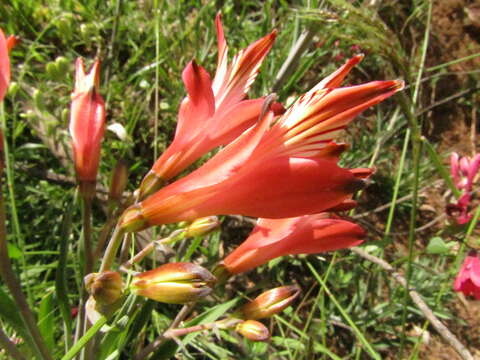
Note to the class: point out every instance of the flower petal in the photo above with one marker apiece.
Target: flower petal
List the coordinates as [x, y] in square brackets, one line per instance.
[231, 83]
[198, 106]
[4, 66]
[335, 79]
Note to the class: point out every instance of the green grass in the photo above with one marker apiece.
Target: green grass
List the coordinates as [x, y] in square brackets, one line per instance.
[350, 308]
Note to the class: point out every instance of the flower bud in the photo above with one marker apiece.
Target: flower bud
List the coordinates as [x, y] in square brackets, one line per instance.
[253, 330]
[202, 226]
[174, 283]
[118, 181]
[106, 288]
[269, 303]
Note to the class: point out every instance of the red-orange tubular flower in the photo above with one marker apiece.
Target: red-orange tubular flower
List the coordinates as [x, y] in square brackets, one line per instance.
[309, 234]
[213, 113]
[87, 122]
[276, 169]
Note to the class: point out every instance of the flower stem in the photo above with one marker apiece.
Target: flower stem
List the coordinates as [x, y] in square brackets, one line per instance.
[112, 249]
[87, 234]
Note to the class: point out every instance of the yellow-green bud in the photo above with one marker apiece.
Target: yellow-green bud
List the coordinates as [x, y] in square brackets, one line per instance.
[106, 288]
[269, 303]
[13, 88]
[202, 226]
[63, 65]
[253, 330]
[174, 283]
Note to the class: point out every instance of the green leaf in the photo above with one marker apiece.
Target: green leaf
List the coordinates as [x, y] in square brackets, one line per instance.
[46, 320]
[13, 251]
[437, 246]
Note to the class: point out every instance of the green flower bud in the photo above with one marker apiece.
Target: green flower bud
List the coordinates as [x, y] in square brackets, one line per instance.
[202, 226]
[253, 330]
[174, 283]
[106, 288]
[269, 303]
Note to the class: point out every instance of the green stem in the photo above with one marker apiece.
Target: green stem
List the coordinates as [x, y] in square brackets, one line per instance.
[416, 150]
[87, 234]
[80, 344]
[112, 249]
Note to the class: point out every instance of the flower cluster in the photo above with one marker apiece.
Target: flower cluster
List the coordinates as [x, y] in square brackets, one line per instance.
[464, 171]
[280, 166]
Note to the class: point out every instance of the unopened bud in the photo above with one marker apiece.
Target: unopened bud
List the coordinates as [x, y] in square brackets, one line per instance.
[253, 330]
[270, 302]
[106, 288]
[63, 64]
[119, 180]
[174, 283]
[13, 88]
[202, 226]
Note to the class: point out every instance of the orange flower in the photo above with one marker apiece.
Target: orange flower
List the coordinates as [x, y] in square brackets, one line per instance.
[213, 113]
[309, 234]
[87, 122]
[273, 170]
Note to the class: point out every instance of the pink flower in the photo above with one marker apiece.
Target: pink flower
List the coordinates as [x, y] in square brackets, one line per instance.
[464, 171]
[273, 170]
[468, 278]
[214, 112]
[87, 121]
[309, 234]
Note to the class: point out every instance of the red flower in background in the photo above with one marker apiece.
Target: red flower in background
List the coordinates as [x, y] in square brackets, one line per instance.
[87, 122]
[6, 44]
[468, 278]
[276, 169]
[309, 234]
[213, 113]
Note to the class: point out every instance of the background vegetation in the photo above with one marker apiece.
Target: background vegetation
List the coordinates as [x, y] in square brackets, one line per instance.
[350, 308]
